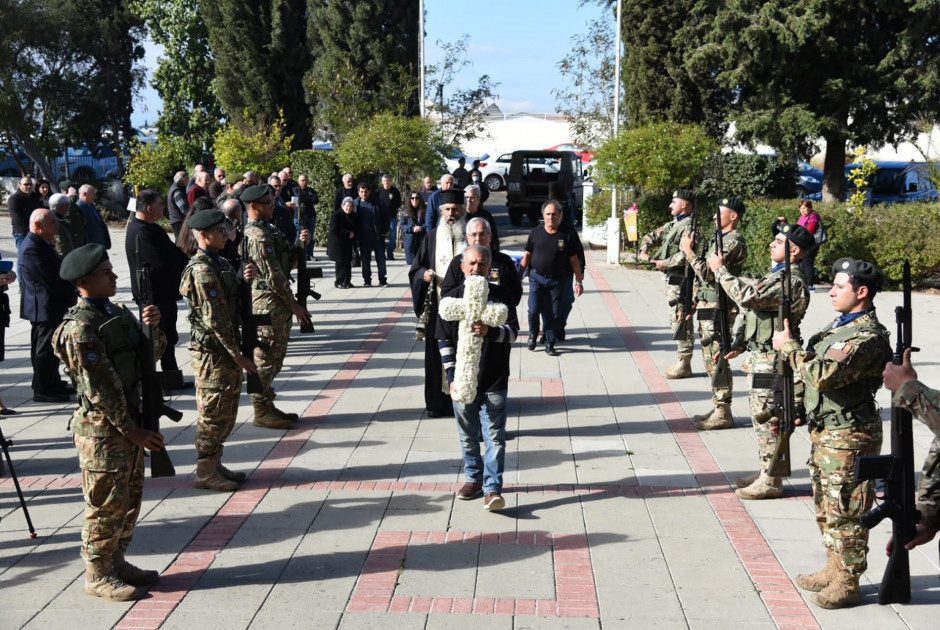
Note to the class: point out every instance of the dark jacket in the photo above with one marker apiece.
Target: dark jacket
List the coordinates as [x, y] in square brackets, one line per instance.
[371, 220]
[166, 261]
[95, 229]
[342, 193]
[46, 297]
[176, 204]
[21, 206]
[339, 246]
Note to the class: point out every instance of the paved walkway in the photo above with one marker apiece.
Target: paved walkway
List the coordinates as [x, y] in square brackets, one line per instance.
[619, 513]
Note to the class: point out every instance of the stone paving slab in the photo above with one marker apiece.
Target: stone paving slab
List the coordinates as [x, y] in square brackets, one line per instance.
[619, 514]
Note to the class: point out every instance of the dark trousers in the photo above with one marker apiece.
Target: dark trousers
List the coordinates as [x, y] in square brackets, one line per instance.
[168, 314]
[808, 266]
[366, 250]
[344, 271]
[545, 300]
[46, 381]
[176, 231]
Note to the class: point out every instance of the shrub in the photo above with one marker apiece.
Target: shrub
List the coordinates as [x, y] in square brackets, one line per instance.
[253, 145]
[153, 165]
[749, 176]
[321, 169]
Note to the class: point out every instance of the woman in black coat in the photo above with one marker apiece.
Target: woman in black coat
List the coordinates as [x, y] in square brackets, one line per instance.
[339, 244]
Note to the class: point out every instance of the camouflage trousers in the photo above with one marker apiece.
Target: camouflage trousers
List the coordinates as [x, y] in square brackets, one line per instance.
[928, 488]
[218, 387]
[839, 498]
[764, 415]
[711, 347]
[271, 360]
[678, 322]
[113, 485]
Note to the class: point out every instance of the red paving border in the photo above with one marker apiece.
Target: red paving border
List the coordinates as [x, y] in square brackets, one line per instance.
[575, 590]
[777, 591]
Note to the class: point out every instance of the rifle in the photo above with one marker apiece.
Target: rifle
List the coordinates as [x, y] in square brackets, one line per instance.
[719, 317]
[250, 322]
[897, 469]
[152, 404]
[687, 290]
[304, 286]
[5, 445]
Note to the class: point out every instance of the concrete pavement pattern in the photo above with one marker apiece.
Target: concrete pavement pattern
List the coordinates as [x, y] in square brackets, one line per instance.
[619, 513]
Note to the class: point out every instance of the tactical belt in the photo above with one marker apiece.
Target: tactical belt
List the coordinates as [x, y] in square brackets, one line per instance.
[675, 280]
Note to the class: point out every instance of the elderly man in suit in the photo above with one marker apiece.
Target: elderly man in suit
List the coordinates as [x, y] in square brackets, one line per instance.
[96, 231]
[46, 298]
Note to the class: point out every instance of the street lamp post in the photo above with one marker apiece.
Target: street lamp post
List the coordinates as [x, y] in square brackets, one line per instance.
[613, 223]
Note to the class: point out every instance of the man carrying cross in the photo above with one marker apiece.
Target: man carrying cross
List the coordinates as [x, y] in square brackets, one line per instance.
[478, 373]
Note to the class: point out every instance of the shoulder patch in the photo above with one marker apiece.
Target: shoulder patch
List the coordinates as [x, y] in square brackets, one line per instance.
[89, 353]
[840, 352]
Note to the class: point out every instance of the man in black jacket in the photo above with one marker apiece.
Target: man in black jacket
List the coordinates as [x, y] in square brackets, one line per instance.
[44, 301]
[21, 204]
[373, 228]
[148, 244]
[176, 204]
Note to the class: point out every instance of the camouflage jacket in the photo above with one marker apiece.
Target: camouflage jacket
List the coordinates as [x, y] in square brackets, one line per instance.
[759, 301]
[212, 300]
[268, 250]
[735, 250]
[103, 409]
[665, 241]
[924, 403]
[841, 369]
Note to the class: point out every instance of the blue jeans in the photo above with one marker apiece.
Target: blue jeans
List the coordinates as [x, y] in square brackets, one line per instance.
[392, 235]
[311, 224]
[545, 299]
[486, 414]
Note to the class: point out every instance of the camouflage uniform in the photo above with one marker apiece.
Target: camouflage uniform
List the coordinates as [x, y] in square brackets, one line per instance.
[665, 239]
[755, 326]
[105, 374]
[924, 403]
[706, 296]
[210, 287]
[270, 252]
[841, 370]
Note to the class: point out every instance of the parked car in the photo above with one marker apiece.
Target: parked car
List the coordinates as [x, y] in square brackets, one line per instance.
[451, 155]
[530, 182]
[495, 171]
[893, 182]
[85, 164]
[809, 179]
[578, 149]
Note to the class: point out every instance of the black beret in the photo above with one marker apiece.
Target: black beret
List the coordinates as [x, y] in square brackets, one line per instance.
[256, 192]
[684, 194]
[453, 195]
[863, 271]
[81, 261]
[799, 236]
[206, 219]
[732, 203]
[232, 179]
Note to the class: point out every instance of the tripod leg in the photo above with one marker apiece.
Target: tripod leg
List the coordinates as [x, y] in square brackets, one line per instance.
[16, 482]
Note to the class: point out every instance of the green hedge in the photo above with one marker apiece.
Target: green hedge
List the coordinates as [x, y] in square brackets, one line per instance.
[749, 176]
[321, 169]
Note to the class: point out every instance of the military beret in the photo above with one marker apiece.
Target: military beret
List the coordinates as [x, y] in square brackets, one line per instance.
[453, 195]
[863, 271]
[232, 179]
[206, 219]
[799, 236]
[256, 192]
[684, 194]
[732, 203]
[65, 184]
[81, 261]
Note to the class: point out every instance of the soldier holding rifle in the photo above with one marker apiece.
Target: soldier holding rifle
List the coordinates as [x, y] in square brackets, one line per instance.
[104, 365]
[841, 371]
[760, 317]
[669, 259]
[211, 289]
[709, 302]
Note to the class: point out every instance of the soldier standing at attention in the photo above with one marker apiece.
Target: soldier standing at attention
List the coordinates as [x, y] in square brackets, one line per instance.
[671, 261]
[103, 364]
[841, 370]
[210, 287]
[269, 251]
[760, 304]
[730, 211]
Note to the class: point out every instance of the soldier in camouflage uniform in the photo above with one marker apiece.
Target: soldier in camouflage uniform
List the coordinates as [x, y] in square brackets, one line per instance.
[97, 341]
[669, 259]
[759, 301]
[924, 403]
[842, 369]
[268, 250]
[210, 287]
[730, 211]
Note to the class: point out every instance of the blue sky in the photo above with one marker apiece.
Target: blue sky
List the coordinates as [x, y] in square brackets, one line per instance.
[517, 42]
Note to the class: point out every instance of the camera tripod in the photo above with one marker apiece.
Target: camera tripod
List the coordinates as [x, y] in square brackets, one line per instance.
[5, 445]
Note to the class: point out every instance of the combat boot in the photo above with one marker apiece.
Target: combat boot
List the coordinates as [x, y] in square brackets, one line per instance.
[764, 487]
[842, 591]
[267, 420]
[682, 369]
[718, 418]
[284, 415]
[816, 582]
[208, 477]
[744, 482]
[101, 582]
[237, 477]
[131, 574]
